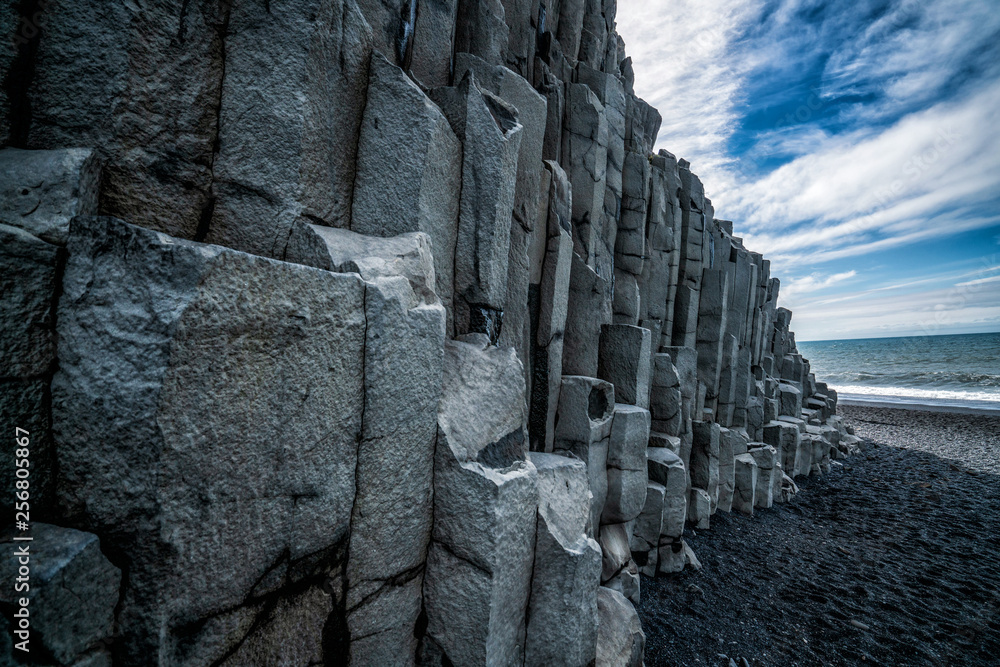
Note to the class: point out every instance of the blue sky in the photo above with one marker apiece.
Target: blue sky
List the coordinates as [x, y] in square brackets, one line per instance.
[855, 143]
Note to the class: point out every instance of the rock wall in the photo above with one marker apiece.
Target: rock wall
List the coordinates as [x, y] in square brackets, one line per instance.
[370, 333]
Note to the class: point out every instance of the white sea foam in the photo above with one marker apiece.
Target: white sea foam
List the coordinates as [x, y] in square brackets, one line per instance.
[956, 397]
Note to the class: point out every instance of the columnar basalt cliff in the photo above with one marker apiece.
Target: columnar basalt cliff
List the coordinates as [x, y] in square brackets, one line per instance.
[367, 332]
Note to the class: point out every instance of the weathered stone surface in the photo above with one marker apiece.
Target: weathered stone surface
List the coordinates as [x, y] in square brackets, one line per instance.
[620, 639]
[531, 111]
[647, 530]
[147, 98]
[627, 582]
[391, 518]
[146, 425]
[289, 119]
[727, 470]
[768, 470]
[784, 437]
[478, 575]
[372, 257]
[745, 495]
[480, 30]
[586, 408]
[477, 375]
[614, 540]
[491, 137]
[699, 509]
[409, 170]
[73, 589]
[567, 567]
[791, 400]
[626, 464]
[666, 468]
[623, 360]
[550, 325]
[40, 191]
[589, 308]
[585, 151]
[29, 276]
[704, 467]
[433, 40]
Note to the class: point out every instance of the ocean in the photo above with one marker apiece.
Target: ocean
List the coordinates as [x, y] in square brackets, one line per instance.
[957, 371]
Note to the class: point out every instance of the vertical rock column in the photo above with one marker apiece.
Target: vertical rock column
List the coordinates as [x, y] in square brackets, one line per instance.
[478, 576]
[491, 137]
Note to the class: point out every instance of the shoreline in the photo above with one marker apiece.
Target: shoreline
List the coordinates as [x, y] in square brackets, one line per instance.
[914, 406]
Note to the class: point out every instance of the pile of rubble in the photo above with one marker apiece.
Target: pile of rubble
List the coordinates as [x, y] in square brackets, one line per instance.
[368, 333]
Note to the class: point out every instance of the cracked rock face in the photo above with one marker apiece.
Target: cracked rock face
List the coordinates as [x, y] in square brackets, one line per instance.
[216, 445]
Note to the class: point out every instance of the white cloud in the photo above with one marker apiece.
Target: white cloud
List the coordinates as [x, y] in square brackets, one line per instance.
[979, 281]
[794, 288]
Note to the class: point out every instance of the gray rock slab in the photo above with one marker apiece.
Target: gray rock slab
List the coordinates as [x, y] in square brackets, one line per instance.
[491, 137]
[699, 509]
[433, 42]
[620, 639]
[409, 170]
[73, 589]
[745, 494]
[623, 360]
[666, 468]
[585, 412]
[141, 85]
[41, 191]
[478, 577]
[29, 277]
[393, 508]
[704, 466]
[727, 470]
[590, 301]
[553, 301]
[146, 426]
[372, 257]
[288, 121]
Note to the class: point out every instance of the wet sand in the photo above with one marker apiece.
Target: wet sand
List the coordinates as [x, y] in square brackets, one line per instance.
[891, 559]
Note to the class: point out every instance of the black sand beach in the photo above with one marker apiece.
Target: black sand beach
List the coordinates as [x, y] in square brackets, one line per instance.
[891, 559]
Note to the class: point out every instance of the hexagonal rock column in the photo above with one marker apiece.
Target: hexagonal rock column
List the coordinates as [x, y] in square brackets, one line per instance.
[287, 138]
[620, 639]
[549, 323]
[217, 444]
[586, 408]
[73, 593]
[590, 300]
[784, 437]
[626, 464]
[646, 532]
[409, 170]
[665, 398]
[727, 470]
[518, 92]
[40, 192]
[478, 575]
[705, 460]
[666, 468]
[790, 399]
[585, 150]
[768, 474]
[562, 611]
[491, 137]
[745, 495]
[623, 360]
